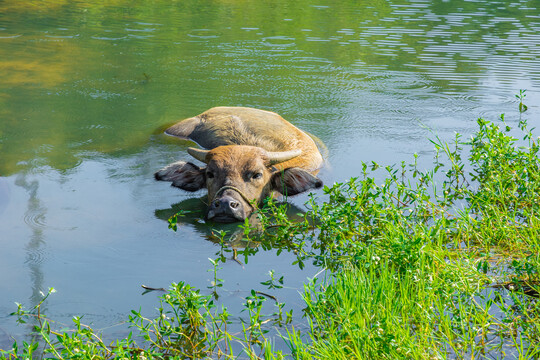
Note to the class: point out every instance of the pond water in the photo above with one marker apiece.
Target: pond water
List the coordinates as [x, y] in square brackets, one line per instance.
[87, 86]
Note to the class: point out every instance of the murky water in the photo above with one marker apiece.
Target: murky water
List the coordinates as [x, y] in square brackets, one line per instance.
[85, 86]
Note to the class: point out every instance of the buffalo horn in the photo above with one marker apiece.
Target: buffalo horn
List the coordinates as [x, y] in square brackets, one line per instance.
[282, 156]
[198, 154]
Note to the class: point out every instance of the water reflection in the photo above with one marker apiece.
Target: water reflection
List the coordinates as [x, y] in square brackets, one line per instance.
[100, 77]
[4, 195]
[35, 219]
[194, 209]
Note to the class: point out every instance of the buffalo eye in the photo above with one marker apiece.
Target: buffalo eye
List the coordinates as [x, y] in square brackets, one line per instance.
[209, 175]
[257, 176]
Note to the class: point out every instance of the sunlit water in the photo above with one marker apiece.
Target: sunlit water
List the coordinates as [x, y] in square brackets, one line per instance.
[85, 88]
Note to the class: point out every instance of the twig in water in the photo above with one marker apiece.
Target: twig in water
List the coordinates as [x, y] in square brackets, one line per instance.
[235, 258]
[152, 289]
[267, 295]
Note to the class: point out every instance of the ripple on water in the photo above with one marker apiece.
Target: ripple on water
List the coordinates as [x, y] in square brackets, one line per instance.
[203, 34]
[311, 63]
[35, 254]
[141, 30]
[100, 94]
[279, 41]
[148, 24]
[317, 39]
[347, 32]
[52, 36]
[35, 219]
[140, 36]
[61, 33]
[320, 7]
[10, 36]
[110, 35]
[447, 102]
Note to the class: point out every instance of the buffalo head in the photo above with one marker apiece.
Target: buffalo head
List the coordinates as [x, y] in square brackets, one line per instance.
[238, 178]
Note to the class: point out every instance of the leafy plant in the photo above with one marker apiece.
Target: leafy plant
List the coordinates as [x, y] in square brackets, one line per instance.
[522, 107]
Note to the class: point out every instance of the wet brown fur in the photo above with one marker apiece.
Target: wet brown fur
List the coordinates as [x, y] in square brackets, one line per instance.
[221, 126]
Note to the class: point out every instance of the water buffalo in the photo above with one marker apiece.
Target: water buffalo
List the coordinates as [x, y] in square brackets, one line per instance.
[251, 155]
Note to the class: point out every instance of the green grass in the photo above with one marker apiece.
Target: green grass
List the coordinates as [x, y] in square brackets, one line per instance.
[424, 264]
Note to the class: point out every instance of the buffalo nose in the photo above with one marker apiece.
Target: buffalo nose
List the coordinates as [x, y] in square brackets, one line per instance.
[226, 209]
[225, 203]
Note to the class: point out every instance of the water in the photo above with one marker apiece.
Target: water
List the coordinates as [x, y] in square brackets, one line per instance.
[86, 86]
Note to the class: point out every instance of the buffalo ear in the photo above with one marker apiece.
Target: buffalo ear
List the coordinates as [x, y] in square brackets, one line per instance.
[294, 181]
[184, 175]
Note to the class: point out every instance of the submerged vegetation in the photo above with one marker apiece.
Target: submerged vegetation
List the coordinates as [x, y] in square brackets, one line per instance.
[415, 264]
